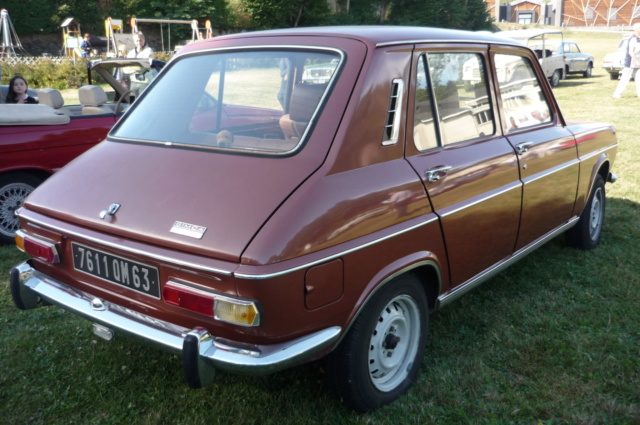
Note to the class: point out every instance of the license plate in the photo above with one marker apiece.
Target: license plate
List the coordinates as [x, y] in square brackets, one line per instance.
[120, 271]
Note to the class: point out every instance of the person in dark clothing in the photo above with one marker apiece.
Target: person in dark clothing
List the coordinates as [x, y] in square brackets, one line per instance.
[17, 92]
[85, 46]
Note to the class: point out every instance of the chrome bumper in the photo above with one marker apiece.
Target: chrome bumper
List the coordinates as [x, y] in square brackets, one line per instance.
[202, 353]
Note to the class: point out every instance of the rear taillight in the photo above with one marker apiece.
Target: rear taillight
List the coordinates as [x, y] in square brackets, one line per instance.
[37, 247]
[231, 310]
[191, 299]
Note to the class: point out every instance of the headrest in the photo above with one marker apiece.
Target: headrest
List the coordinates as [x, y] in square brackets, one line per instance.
[304, 100]
[51, 97]
[91, 95]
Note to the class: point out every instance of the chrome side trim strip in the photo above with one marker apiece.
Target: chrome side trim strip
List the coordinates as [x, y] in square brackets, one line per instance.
[331, 257]
[120, 247]
[597, 152]
[516, 185]
[442, 41]
[550, 171]
[465, 287]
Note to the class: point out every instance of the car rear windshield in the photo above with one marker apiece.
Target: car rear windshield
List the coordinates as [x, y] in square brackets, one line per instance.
[258, 101]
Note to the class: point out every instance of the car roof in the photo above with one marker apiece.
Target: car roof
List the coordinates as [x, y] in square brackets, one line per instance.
[377, 35]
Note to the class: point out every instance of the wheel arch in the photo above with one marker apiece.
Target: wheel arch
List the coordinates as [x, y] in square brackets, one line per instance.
[35, 172]
[424, 265]
[601, 168]
[14, 187]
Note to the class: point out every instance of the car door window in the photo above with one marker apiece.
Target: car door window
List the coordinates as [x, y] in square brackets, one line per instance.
[523, 100]
[424, 129]
[457, 82]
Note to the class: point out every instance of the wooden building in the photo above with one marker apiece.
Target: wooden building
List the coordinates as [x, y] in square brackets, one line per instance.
[598, 13]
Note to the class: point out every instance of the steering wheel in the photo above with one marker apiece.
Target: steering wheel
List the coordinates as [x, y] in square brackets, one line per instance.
[119, 103]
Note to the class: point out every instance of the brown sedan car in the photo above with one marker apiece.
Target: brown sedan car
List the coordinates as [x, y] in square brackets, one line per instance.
[251, 216]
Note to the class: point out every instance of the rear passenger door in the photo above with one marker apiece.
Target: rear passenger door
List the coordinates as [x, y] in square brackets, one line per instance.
[469, 170]
[547, 153]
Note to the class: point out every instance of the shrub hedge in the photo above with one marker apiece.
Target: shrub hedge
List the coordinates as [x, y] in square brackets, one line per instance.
[46, 72]
[57, 73]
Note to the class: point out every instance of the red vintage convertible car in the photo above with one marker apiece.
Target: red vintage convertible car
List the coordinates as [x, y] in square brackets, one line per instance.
[37, 140]
[249, 218]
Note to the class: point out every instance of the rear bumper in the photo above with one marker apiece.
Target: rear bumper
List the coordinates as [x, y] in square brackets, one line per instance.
[612, 69]
[202, 353]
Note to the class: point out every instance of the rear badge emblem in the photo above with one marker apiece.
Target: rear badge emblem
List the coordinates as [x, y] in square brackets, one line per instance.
[187, 229]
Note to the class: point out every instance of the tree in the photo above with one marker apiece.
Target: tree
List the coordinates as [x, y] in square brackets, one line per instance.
[32, 16]
[286, 13]
[461, 14]
[45, 16]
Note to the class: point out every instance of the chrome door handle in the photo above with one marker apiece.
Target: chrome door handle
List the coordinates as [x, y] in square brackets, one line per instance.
[523, 147]
[436, 173]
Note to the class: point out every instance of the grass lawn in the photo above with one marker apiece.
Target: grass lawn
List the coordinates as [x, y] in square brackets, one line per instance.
[555, 339]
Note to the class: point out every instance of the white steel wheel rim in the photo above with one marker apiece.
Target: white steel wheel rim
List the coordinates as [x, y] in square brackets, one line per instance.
[394, 343]
[597, 213]
[11, 198]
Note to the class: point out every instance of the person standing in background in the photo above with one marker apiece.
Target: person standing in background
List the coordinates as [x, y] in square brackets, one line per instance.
[631, 65]
[141, 50]
[85, 46]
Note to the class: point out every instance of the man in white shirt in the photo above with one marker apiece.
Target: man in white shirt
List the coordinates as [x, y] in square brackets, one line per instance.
[141, 50]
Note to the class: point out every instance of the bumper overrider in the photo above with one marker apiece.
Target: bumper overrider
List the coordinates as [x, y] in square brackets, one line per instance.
[202, 353]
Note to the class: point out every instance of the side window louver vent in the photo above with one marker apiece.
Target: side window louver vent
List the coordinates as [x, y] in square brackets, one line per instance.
[392, 124]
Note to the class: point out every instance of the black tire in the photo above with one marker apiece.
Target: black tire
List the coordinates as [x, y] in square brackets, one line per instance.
[586, 234]
[555, 78]
[13, 189]
[380, 356]
[588, 72]
[614, 75]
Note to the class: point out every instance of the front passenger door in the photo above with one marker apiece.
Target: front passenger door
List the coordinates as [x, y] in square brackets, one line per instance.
[547, 153]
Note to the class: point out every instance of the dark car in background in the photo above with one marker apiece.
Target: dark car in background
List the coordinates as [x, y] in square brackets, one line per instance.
[249, 219]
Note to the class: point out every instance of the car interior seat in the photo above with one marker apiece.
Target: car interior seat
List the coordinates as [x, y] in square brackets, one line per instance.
[53, 98]
[93, 99]
[303, 103]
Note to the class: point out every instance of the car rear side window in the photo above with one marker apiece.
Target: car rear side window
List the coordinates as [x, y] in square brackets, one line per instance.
[457, 82]
[523, 100]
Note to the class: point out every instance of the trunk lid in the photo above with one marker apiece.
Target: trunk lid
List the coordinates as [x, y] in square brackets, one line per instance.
[229, 195]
